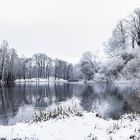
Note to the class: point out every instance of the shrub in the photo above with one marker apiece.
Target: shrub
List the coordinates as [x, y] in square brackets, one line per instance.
[58, 112]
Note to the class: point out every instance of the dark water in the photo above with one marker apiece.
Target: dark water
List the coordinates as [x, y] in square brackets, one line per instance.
[19, 102]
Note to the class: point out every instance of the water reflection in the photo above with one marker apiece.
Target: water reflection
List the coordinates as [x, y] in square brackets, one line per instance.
[19, 102]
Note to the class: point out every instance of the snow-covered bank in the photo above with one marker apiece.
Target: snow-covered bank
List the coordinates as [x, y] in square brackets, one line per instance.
[52, 79]
[38, 80]
[74, 124]
[87, 127]
[67, 121]
[125, 81]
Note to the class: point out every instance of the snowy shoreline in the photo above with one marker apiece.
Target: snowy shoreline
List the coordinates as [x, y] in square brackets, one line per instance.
[52, 79]
[38, 80]
[86, 127]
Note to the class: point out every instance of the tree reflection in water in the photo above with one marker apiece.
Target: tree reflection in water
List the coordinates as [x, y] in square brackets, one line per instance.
[19, 102]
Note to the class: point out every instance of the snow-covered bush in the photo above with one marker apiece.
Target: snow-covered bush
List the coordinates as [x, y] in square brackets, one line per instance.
[127, 56]
[132, 69]
[111, 69]
[58, 112]
[123, 66]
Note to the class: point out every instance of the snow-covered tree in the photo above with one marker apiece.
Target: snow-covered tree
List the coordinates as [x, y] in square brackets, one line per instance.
[118, 41]
[133, 27]
[89, 65]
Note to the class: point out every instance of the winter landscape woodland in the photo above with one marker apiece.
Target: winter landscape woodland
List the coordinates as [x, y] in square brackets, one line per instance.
[45, 98]
[122, 50]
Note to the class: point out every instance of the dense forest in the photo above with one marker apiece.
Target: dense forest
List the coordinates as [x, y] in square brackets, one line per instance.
[122, 50]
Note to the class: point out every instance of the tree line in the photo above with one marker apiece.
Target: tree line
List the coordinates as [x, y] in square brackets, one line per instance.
[38, 66]
[125, 35]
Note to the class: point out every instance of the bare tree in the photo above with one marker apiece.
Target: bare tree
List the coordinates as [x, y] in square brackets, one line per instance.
[40, 60]
[48, 67]
[118, 41]
[12, 57]
[89, 65]
[3, 56]
[133, 27]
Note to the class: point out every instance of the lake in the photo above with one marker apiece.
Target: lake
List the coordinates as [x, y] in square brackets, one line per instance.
[19, 102]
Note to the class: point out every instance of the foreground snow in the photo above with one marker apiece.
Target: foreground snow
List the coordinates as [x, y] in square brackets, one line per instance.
[87, 127]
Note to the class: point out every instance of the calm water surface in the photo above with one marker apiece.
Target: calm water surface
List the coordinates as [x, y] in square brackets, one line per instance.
[19, 102]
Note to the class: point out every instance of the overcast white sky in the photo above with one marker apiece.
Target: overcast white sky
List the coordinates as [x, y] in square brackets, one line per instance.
[61, 28]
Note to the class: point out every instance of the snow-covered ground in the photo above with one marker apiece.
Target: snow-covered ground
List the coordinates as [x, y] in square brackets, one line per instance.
[86, 126]
[52, 79]
[125, 81]
[38, 80]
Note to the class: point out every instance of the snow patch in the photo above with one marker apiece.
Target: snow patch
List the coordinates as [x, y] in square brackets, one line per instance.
[39, 80]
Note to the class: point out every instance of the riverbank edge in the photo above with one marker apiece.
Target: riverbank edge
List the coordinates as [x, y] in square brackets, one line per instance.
[89, 126]
[53, 80]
